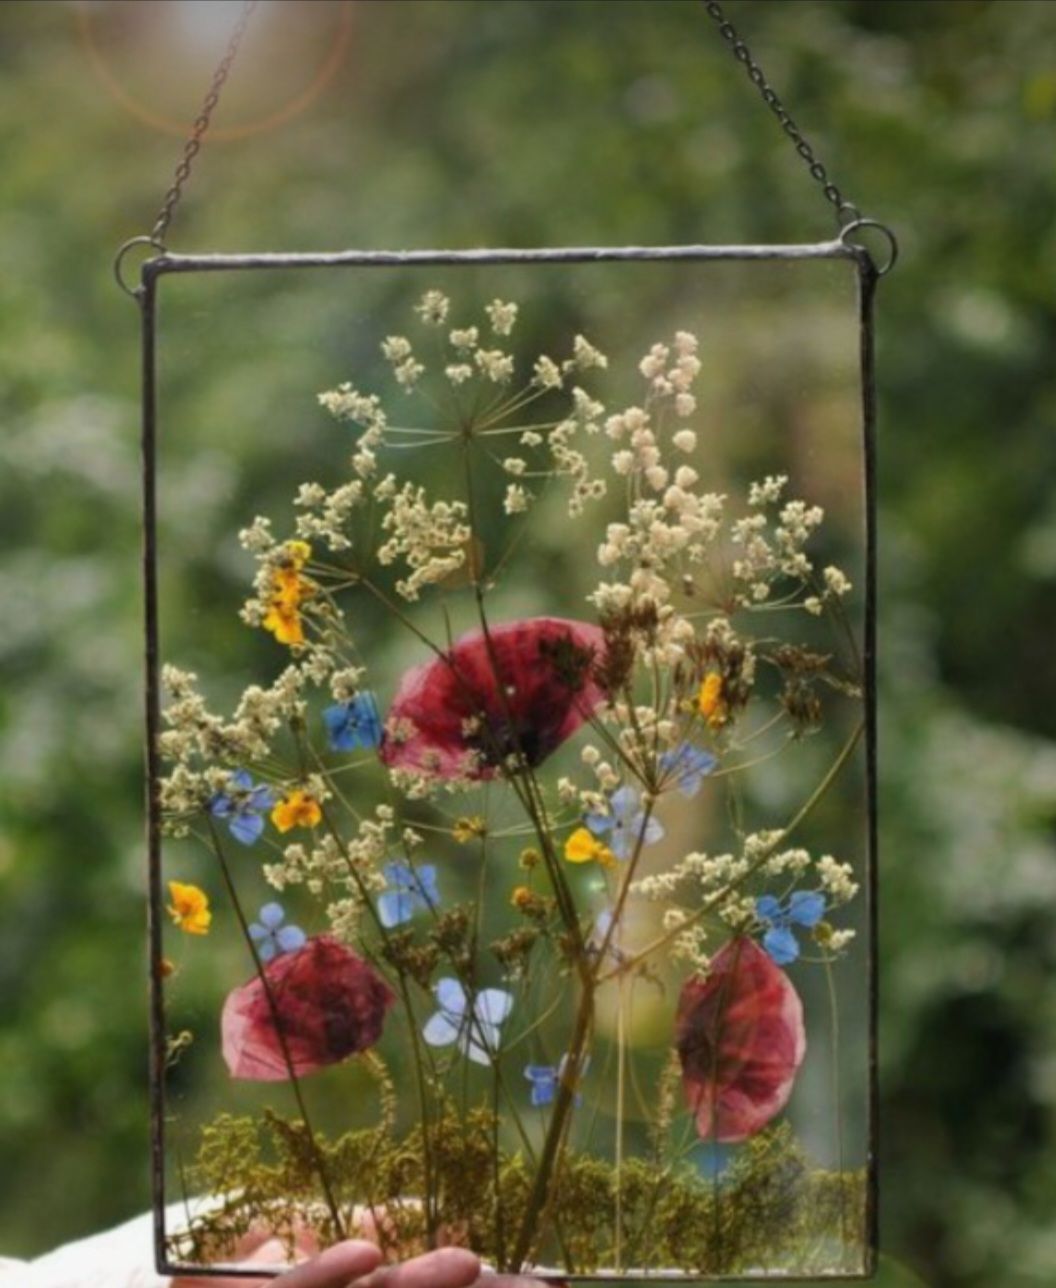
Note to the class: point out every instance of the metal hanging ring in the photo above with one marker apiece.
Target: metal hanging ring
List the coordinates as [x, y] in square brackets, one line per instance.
[881, 269]
[145, 239]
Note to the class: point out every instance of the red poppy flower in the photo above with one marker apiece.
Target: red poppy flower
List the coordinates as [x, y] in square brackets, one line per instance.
[523, 689]
[330, 1005]
[739, 1035]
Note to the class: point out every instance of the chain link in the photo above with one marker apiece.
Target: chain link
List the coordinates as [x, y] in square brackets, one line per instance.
[848, 216]
[846, 211]
[194, 142]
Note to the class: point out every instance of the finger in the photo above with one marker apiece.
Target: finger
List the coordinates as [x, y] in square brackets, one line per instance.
[274, 1252]
[258, 1248]
[444, 1268]
[518, 1281]
[337, 1267]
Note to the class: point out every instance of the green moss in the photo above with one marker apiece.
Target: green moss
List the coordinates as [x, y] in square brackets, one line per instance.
[770, 1210]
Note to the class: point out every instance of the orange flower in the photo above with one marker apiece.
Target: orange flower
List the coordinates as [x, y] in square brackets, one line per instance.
[288, 591]
[284, 622]
[296, 809]
[711, 703]
[189, 908]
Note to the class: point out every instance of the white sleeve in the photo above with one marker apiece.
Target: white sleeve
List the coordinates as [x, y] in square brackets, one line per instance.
[119, 1258]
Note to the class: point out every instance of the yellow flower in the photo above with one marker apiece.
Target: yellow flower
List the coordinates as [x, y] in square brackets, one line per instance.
[465, 829]
[710, 701]
[288, 591]
[284, 622]
[189, 908]
[296, 809]
[299, 552]
[584, 847]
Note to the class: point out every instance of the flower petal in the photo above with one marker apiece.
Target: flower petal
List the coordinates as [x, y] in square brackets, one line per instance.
[481, 1042]
[767, 908]
[781, 944]
[398, 875]
[271, 915]
[439, 1031]
[492, 1005]
[246, 827]
[651, 832]
[540, 1072]
[451, 996]
[426, 878]
[623, 842]
[394, 908]
[623, 802]
[338, 730]
[740, 1040]
[331, 1004]
[524, 689]
[599, 824]
[806, 907]
[290, 938]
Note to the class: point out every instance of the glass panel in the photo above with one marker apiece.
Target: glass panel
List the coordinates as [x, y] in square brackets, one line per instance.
[528, 792]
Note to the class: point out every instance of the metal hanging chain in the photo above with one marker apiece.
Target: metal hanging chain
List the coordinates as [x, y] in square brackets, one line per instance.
[848, 216]
[193, 145]
[160, 227]
[846, 211]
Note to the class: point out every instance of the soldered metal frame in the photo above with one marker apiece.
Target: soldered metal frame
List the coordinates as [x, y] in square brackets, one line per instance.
[166, 263]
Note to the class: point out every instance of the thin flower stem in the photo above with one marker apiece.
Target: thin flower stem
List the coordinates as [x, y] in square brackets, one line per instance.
[531, 797]
[516, 540]
[711, 903]
[625, 886]
[507, 430]
[765, 727]
[367, 903]
[526, 395]
[445, 434]
[730, 770]
[541, 1192]
[276, 1020]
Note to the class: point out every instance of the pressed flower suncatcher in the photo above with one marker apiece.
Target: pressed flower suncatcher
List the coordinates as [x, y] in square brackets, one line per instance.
[518, 895]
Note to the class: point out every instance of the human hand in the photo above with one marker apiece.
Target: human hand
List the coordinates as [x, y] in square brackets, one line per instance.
[359, 1262]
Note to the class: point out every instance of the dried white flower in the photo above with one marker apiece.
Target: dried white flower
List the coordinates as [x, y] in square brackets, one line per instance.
[433, 308]
[502, 316]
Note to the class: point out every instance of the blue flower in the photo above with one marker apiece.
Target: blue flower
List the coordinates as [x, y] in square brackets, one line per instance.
[410, 890]
[271, 936]
[475, 1029]
[353, 724]
[243, 804]
[546, 1077]
[624, 825]
[804, 908]
[689, 766]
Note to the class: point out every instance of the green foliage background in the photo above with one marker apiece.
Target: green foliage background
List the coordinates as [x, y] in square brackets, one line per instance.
[462, 122]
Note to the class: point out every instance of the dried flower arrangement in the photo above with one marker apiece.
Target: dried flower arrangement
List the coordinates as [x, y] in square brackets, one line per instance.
[549, 766]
